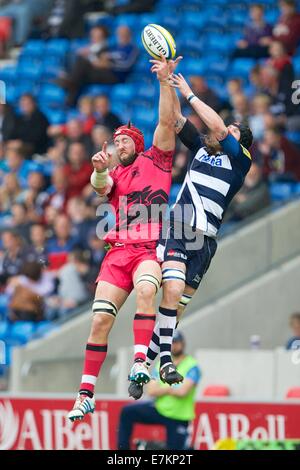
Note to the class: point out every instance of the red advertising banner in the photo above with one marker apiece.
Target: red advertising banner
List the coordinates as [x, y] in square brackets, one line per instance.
[41, 424]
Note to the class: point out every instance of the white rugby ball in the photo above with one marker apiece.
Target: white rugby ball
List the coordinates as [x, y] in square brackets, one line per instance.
[157, 40]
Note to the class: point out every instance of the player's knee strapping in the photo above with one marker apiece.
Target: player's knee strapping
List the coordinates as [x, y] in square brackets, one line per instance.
[149, 278]
[184, 301]
[105, 306]
[172, 274]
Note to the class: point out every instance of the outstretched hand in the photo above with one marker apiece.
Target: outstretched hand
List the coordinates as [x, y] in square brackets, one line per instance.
[178, 81]
[160, 67]
[101, 160]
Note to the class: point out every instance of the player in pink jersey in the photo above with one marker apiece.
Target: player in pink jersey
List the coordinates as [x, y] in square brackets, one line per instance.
[142, 177]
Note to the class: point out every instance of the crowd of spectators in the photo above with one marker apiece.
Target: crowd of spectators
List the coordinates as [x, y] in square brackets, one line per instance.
[49, 248]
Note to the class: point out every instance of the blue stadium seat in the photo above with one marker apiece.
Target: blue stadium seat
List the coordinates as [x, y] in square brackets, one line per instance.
[193, 67]
[94, 90]
[293, 137]
[297, 189]
[27, 69]
[4, 300]
[26, 86]
[55, 116]
[296, 64]
[4, 328]
[242, 67]
[216, 44]
[10, 343]
[52, 95]
[145, 117]
[124, 92]
[58, 47]
[281, 192]
[44, 327]
[130, 20]
[195, 21]
[33, 48]
[22, 329]
[9, 73]
[11, 95]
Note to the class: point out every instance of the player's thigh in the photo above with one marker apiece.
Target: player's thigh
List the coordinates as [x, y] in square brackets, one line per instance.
[111, 293]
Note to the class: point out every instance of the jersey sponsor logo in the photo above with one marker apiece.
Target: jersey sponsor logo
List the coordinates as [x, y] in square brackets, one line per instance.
[221, 161]
[176, 254]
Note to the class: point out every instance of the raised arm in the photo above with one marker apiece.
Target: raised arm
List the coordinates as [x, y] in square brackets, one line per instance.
[164, 135]
[100, 180]
[212, 120]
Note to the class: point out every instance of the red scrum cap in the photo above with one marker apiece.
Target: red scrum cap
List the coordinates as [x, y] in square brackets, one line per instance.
[133, 132]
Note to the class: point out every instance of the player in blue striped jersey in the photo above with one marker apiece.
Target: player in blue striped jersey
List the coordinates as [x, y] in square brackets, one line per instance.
[215, 174]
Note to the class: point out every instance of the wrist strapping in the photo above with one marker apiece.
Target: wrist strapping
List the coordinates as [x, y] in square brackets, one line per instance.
[190, 97]
[99, 179]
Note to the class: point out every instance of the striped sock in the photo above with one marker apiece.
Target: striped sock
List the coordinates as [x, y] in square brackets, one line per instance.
[142, 329]
[167, 324]
[153, 349]
[95, 355]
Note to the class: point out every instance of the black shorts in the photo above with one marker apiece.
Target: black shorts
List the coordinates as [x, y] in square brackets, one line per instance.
[195, 252]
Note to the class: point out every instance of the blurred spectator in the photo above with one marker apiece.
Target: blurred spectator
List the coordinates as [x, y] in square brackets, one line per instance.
[253, 196]
[57, 198]
[281, 61]
[61, 244]
[82, 222]
[287, 30]
[179, 167]
[130, 6]
[280, 157]
[204, 93]
[256, 83]
[173, 407]
[111, 67]
[64, 20]
[16, 254]
[86, 113]
[34, 197]
[294, 341]
[56, 153]
[259, 108]
[240, 112]
[38, 241]
[14, 163]
[20, 220]
[100, 134]
[27, 292]
[78, 170]
[97, 247]
[32, 126]
[282, 106]
[103, 114]
[73, 286]
[7, 122]
[23, 12]
[75, 133]
[98, 36]
[10, 192]
[234, 87]
[256, 36]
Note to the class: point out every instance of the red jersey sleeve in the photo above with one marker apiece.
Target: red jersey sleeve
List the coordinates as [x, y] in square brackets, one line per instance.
[161, 158]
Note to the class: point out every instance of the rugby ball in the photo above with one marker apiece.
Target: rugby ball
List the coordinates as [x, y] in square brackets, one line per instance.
[157, 40]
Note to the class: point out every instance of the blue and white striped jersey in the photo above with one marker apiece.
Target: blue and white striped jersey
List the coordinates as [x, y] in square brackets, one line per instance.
[211, 181]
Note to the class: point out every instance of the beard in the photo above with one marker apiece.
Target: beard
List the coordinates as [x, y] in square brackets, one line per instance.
[178, 353]
[127, 160]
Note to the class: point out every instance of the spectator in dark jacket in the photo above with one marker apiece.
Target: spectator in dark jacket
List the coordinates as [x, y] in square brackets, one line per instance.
[32, 126]
[103, 114]
[256, 36]
[7, 122]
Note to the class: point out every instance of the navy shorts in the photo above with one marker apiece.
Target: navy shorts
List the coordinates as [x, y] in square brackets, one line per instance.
[195, 251]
